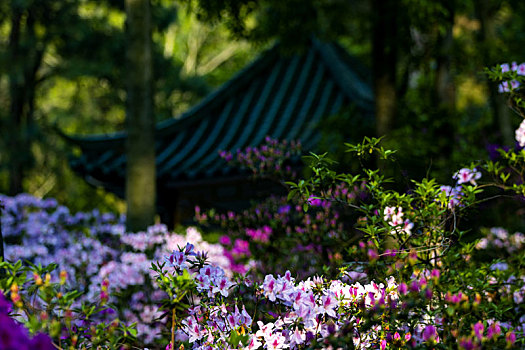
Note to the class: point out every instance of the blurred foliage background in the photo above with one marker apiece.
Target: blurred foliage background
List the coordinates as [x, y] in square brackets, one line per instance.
[61, 64]
[66, 59]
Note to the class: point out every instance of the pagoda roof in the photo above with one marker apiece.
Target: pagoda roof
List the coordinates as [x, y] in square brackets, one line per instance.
[278, 95]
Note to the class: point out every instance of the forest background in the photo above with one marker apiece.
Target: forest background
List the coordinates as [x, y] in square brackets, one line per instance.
[62, 67]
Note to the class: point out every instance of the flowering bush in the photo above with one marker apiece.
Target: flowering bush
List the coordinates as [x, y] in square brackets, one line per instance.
[315, 241]
[421, 230]
[93, 250]
[412, 278]
[413, 281]
[497, 238]
[52, 307]
[320, 313]
[274, 159]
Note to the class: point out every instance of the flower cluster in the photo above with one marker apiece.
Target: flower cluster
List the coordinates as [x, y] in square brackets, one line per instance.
[310, 310]
[499, 238]
[429, 289]
[507, 86]
[272, 158]
[394, 217]
[520, 134]
[319, 311]
[277, 224]
[510, 82]
[93, 250]
[452, 196]
[262, 234]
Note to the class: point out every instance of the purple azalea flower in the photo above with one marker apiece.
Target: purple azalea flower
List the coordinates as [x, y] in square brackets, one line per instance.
[5, 305]
[430, 333]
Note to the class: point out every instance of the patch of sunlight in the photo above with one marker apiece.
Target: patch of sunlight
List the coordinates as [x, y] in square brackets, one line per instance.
[114, 18]
[471, 92]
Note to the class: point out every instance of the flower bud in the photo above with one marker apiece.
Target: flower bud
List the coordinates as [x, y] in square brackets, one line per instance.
[48, 279]
[435, 274]
[412, 257]
[63, 276]
[510, 337]
[38, 279]
[402, 288]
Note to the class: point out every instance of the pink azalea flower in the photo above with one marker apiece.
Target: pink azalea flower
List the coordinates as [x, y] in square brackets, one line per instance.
[269, 287]
[503, 87]
[329, 305]
[254, 343]
[297, 338]
[222, 286]
[478, 330]
[466, 175]
[510, 337]
[265, 330]
[407, 227]
[430, 333]
[276, 342]
[521, 69]
[494, 330]
[520, 134]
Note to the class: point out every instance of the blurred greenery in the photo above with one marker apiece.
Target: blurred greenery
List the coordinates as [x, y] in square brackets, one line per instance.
[79, 82]
[66, 59]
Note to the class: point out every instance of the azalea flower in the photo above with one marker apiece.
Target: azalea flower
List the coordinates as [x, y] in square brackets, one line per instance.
[466, 175]
[520, 134]
[222, 286]
[521, 69]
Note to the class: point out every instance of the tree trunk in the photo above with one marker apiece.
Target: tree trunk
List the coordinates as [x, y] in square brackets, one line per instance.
[384, 60]
[486, 12]
[444, 84]
[25, 55]
[140, 143]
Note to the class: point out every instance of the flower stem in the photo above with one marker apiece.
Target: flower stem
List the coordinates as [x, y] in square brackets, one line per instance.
[173, 329]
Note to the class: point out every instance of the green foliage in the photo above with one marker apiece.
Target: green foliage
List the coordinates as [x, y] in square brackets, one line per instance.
[51, 307]
[79, 82]
[293, 22]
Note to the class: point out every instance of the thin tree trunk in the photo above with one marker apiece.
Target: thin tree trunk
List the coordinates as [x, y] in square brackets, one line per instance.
[16, 105]
[486, 12]
[140, 144]
[384, 60]
[444, 84]
[25, 57]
